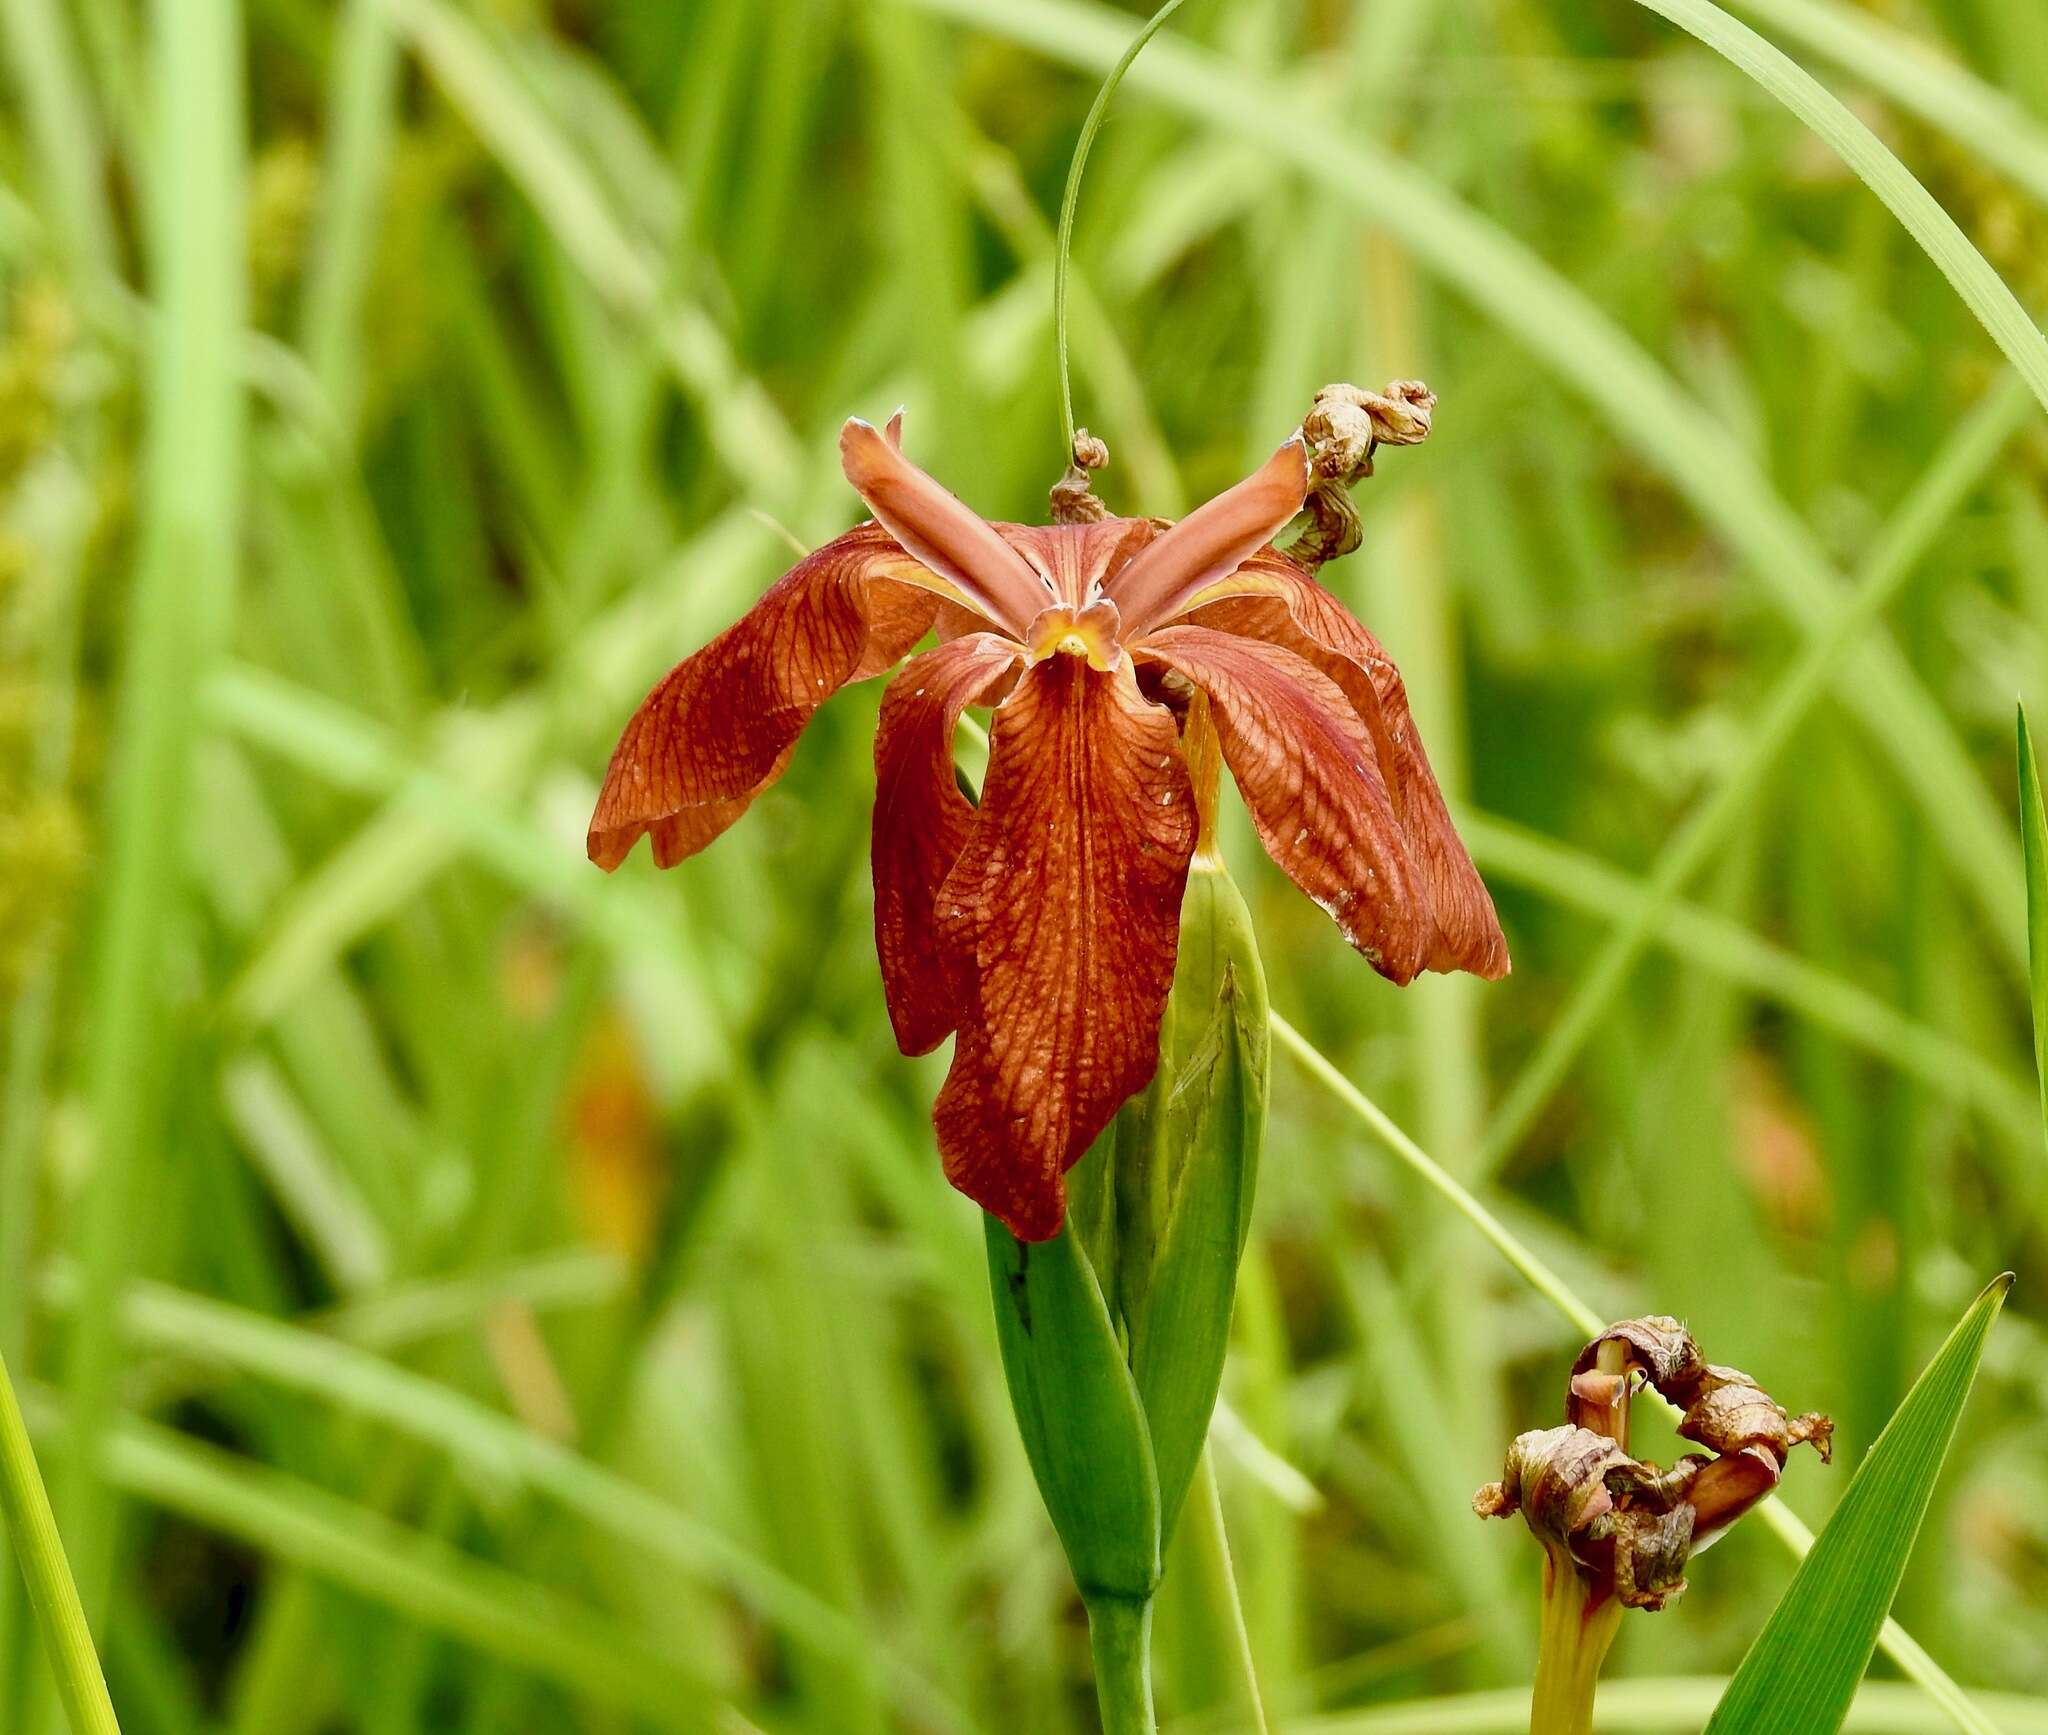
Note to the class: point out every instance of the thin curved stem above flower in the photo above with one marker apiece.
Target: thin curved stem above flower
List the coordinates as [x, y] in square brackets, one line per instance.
[1040, 927]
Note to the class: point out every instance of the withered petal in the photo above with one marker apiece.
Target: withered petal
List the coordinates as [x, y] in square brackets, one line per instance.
[939, 530]
[1271, 598]
[922, 821]
[1212, 541]
[1060, 922]
[718, 729]
[1310, 778]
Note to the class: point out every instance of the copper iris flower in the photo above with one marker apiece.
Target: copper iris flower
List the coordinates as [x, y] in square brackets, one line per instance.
[1041, 924]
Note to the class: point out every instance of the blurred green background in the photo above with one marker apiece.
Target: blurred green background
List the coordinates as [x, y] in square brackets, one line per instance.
[460, 1292]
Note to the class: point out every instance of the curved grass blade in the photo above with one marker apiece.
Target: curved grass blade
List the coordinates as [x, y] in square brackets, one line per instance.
[1938, 90]
[32, 1529]
[2034, 840]
[1982, 289]
[1803, 1670]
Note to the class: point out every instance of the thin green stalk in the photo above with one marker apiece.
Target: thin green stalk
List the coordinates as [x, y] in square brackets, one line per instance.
[1063, 249]
[32, 1527]
[1896, 1642]
[1962, 461]
[1203, 1515]
[177, 621]
[1120, 1639]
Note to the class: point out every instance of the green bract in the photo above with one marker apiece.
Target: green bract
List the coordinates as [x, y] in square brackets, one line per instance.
[1114, 1332]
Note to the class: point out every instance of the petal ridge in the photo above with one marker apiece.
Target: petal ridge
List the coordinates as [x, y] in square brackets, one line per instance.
[1272, 598]
[1306, 767]
[1060, 922]
[719, 727]
[922, 821]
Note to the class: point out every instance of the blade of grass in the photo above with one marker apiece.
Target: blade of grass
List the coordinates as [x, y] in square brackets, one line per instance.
[1983, 291]
[745, 426]
[487, 1606]
[2034, 836]
[1724, 947]
[1892, 559]
[68, 150]
[177, 621]
[1919, 78]
[1898, 1644]
[32, 1528]
[506, 1452]
[1660, 1705]
[1803, 1670]
[352, 179]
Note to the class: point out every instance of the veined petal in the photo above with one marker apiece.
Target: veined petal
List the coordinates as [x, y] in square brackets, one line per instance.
[1212, 541]
[1060, 923]
[1273, 599]
[922, 822]
[1312, 782]
[938, 530]
[720, 726]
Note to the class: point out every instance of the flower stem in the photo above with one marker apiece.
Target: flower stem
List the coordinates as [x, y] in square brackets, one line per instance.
[1204, 1517]
[1120, 1635]
[53, 1595]
[1071, 199]
[1574, 1645]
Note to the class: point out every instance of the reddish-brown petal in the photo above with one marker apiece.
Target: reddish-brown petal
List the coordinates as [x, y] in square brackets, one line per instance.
[720, 726]
[1310, 778]
[1212, 541]
[1271, 598]
[921, 823]
[943, 533]
[1060, 923]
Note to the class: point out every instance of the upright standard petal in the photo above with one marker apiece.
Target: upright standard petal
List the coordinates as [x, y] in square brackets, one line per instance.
[720, 726]
[1060, 922]
[1212, 541]
[922, 822]
[1312, 782]
[940, 531]
[1272, 598]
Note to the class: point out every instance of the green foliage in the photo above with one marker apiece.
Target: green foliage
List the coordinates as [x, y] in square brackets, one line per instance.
[557, 1320]
[1802, 1672]
[2034, 838]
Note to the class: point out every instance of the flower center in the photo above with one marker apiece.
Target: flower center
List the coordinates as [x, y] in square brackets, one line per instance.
[1063, 630]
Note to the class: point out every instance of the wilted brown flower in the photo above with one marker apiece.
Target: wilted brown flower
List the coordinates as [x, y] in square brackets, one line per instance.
[1041, 925]
[1626, 1527]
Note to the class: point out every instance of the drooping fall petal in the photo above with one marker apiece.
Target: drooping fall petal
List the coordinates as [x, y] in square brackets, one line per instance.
[943, 533]
[719, 727]
[1312, 782]
[922, 822]
[1212, 541]
[1060, 923]
[1271, 598]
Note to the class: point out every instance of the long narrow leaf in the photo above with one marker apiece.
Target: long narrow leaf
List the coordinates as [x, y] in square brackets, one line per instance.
[1802, 1672]
[2034, 838]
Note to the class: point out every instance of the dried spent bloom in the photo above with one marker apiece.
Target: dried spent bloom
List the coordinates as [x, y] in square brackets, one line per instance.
[1040, 926]
[1627, 1528]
